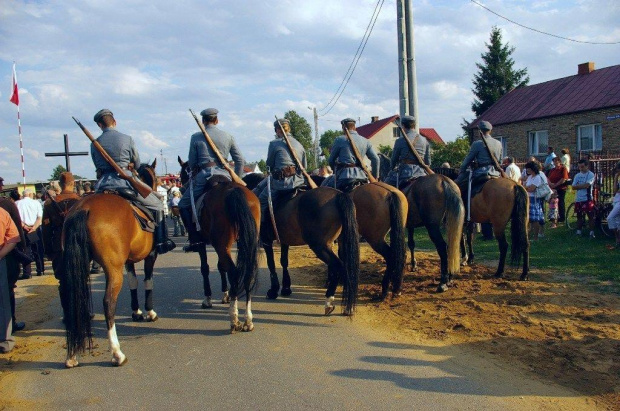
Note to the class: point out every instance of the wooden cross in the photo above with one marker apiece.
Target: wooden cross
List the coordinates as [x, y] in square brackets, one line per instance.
[67, 154]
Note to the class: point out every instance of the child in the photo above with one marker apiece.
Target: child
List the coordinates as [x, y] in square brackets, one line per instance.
[553, 209]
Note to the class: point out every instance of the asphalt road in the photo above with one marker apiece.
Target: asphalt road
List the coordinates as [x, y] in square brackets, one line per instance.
[296, 358]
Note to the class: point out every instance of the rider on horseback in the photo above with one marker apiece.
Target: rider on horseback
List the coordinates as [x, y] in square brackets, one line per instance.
[122, 150]
[347, 172]
[405, 166]
[479, 153]
[203, 165]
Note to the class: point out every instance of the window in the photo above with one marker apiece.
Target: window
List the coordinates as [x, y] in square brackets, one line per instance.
[503, 140]
[395, 132]
[538, 142]
[590, 137]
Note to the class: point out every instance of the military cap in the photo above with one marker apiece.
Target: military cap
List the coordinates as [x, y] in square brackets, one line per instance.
[66, 178]
[347, 120]
[282, 121]
[209, 112]
[485, 126]
[407, 119]
[101, 113]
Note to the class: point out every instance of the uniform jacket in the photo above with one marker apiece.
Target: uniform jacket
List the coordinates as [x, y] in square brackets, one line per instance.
[278, 156]
[342, 153]
[54, 213]
[479, 152]
[402, 152]
[200, 153]
[122, 149]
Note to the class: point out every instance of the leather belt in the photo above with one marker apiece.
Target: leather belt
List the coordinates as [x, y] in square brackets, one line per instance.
[346, 165]
[286, 171]
[408, 161]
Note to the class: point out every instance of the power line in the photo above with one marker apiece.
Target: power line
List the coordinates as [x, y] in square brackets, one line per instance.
[539, 31]
[356, 58]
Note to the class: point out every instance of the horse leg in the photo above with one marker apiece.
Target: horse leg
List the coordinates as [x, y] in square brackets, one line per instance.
[114, 283]
[136, 312]
[149, 264]
[206, 284]
[434, 232]
[334, 267]
[286, 278]
[226, 265]
[503, 250]
[272, 293]
[470, 242]
[411, 244]
[526, 265]
[224, 286]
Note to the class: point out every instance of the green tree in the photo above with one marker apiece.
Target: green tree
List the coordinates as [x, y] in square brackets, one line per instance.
[59, 170]
[496, 76]
[385, 149]
[326, 141]
[262, 165]
[452, 152]
[300, 128]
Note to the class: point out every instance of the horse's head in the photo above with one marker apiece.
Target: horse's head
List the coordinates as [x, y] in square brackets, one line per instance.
[184, 174]
[147, 174]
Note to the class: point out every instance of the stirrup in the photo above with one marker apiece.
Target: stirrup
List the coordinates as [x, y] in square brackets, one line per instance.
[193, 247]
[166, 246]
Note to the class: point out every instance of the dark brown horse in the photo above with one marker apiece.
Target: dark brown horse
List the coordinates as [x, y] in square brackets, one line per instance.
[103, 227]
[317, 218]
[434, 201]
[231, 213]
[501, 201]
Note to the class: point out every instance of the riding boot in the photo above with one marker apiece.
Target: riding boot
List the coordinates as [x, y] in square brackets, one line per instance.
[162, 243]
[193, 236]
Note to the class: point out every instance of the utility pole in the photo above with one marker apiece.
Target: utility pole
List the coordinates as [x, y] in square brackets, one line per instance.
[317, 150]
[407, 83]
[412, 81]
[402, 58]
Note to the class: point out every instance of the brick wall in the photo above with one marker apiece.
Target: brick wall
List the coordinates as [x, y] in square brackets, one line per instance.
[562, 132]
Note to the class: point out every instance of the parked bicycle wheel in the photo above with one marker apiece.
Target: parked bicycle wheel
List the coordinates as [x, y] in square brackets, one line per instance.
[604, 226]
[571, 217]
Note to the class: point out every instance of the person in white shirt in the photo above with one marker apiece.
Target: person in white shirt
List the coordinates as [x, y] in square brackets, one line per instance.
[31, 213]
[534, 180]
[584, 205]
[511, 169]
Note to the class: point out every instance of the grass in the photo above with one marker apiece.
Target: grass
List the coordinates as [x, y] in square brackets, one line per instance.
[560, 251]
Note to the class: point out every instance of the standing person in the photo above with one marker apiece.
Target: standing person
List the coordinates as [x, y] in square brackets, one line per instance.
[558, 180]
[565, 158]
[553, 209]
[534, 180]
[175, 215]
[203, 164]
[55, 211]
[343, 161]
[584, 205]
[284, 174]
[511, 169]
[31, 213]
[613, 219]
[548, 164]
[402, 157]
[162, 190]
[123, 151]
[9, 237]
[88, 188]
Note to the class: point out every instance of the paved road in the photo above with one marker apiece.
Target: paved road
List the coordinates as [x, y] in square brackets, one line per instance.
[295, 359]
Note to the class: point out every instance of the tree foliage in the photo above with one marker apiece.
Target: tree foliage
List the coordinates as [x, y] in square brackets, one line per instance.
[56, 172]
[452, 152]
[301, 130]
[262, 165]
[326, 141]
[496, 76]
[385, 149]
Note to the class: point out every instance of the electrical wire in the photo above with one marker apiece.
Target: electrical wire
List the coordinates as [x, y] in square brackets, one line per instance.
[539, 31]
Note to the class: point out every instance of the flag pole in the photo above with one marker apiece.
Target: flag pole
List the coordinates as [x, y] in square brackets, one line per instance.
[15, 100]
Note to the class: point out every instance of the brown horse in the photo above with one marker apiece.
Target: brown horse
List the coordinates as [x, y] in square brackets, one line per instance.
[317, 218]
[103, 227]
[435, 200]
[500, 201]
[231, 213]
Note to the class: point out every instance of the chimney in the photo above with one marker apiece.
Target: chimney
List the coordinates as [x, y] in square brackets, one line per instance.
[374, 119]
[585, 68]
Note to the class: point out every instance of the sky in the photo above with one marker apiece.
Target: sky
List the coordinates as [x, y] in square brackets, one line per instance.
[150, 61]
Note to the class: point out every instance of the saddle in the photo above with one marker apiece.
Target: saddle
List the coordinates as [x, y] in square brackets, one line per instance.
[477, 184]
[146, 222]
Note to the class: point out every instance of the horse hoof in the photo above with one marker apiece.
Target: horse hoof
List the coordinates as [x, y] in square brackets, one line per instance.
[119, 362]
[442, 288]
[286, 292]
[226, 299]
[236, 327]
[152, 319]
[347, 313]
[71, 363]
[499, 275]
[206, 305]
[378, 298]
[329, 310]
[248, 326]
[137, 317]
[524, 278]
[272, 295]
[396, 295]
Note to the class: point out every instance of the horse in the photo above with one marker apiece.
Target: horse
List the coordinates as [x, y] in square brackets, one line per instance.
[230, 213]
[103, 227]
[382, 209]
[317, 218]
[500, 201]
[435, 200]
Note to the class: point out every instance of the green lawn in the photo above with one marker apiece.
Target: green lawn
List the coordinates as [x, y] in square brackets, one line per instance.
[560, 251]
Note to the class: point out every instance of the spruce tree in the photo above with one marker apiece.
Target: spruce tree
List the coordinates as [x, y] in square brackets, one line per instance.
[496, 76]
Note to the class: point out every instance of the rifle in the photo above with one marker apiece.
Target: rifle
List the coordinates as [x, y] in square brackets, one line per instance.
[220, 159]
[357, 155]
[415, 152]
[495, 163]
[298, 164]
[138, 185]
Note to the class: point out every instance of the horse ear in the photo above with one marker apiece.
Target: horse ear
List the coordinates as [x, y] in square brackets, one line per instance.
[154, 164]
[180, 161]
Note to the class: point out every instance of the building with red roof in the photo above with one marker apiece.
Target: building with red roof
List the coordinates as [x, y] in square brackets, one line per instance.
[580, 112]
[384, 132]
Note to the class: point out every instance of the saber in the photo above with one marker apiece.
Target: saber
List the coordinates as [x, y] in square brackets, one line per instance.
[191, 196]
[469, 195]
[270, 204]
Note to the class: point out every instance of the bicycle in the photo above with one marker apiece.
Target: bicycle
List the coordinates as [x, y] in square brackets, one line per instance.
[601, 211]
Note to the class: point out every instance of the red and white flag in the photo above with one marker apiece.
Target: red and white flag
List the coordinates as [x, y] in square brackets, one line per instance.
[14, 91]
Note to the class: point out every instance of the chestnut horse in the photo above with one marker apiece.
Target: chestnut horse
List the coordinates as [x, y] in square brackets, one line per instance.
[500, 201]
[103, 227]
[317, 218]
[434, 201]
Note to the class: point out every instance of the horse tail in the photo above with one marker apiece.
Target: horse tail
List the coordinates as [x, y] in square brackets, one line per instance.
[455, 217]
[240, 215]
[349, 250]
[518, 225]
[398, 250]
[76, 262]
